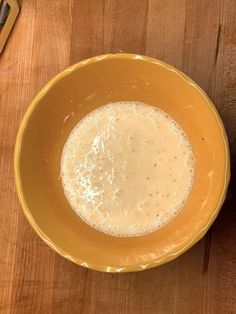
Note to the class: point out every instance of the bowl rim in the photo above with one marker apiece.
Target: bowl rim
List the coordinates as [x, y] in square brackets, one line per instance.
[106, 268]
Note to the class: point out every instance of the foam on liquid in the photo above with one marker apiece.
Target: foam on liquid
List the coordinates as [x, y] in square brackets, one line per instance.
[127, 169]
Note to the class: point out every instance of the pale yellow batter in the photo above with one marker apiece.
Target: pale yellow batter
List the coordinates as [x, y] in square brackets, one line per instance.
[127, 169]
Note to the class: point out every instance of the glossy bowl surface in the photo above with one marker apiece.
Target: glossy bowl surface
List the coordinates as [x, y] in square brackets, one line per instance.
[59, 106]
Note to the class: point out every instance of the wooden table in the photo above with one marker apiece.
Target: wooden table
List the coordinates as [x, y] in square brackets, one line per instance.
[196, 36]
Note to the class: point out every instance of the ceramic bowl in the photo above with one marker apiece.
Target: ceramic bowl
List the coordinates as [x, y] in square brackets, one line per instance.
[59, 106]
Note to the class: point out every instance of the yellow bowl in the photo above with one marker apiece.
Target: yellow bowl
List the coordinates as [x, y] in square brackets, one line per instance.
[58, 107]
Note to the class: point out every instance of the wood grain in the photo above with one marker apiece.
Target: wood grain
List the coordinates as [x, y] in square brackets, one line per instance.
[198, 37]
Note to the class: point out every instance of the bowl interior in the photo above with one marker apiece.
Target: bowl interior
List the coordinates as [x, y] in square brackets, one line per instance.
[59, 107]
